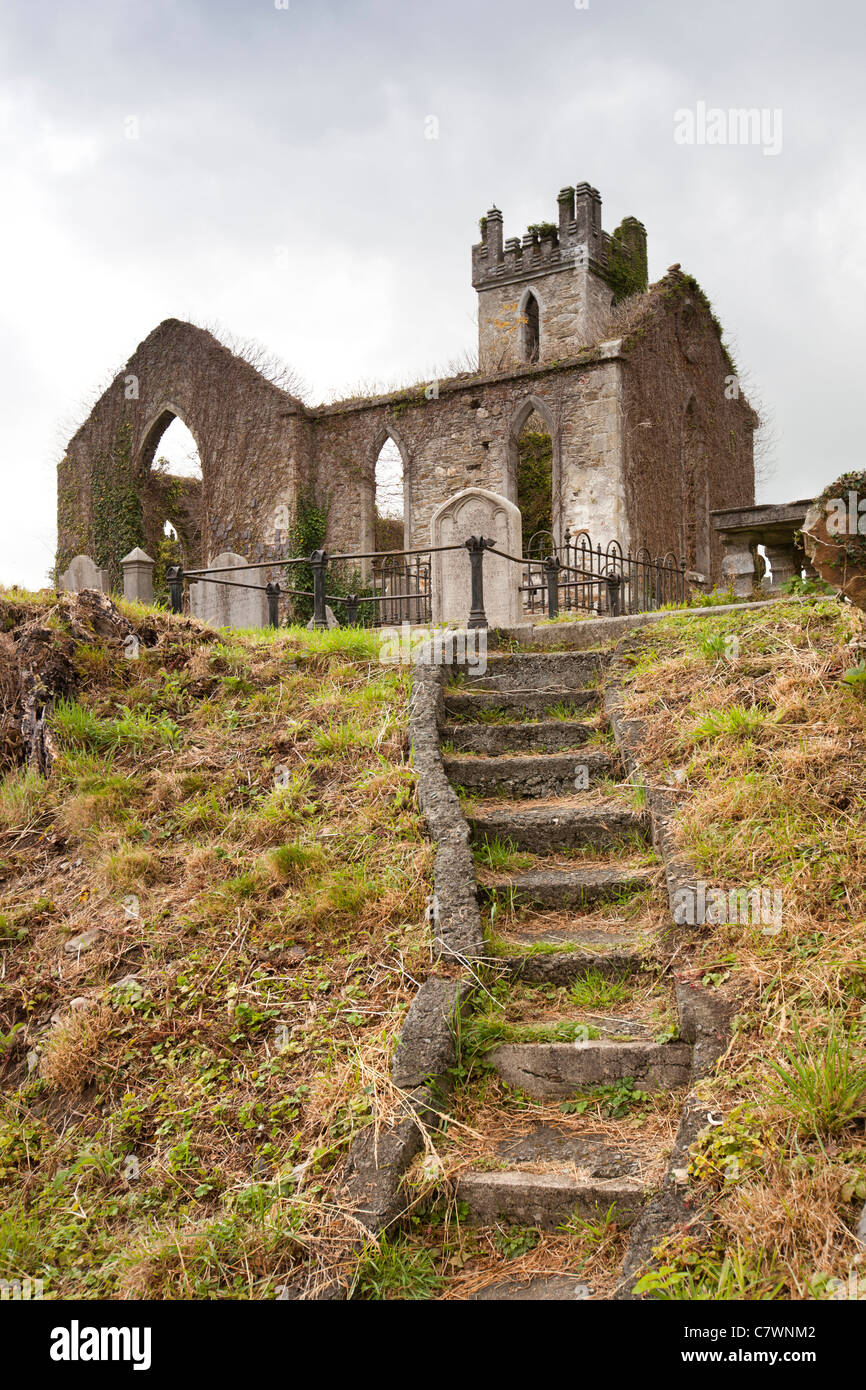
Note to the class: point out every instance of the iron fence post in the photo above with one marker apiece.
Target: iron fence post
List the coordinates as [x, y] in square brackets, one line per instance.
[476, 545]
[174, 578]
[319, 562]
[613, 583]
[351, 610]
[273, 593]
[551, 574]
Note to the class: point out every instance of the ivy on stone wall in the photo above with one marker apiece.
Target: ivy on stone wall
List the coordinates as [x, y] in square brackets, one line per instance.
[306, 534]
[118, 522]
[535, 482]
[627, 271]
[852, 543]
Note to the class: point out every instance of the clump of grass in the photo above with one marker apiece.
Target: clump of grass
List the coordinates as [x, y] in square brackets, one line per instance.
[130, 867]
[737, 721]
[72, 1051]
[397, 1269]
[712, 1276]
[597, 991]
[501, 856]
[293, 862]
[822, 1084]
[22, 797]
[79, 727]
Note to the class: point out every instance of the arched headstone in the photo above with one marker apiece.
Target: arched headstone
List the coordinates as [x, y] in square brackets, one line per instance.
[476, 512]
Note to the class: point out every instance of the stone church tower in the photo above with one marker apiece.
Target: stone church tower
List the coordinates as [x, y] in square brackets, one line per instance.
[543, 297]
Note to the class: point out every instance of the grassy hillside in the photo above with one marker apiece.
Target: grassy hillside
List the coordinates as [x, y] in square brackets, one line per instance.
[231, 827]
[754, 728]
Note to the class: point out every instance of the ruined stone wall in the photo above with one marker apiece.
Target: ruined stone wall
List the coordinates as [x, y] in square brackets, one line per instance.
[250, 437]
[644, 445]
[467, 437]
[687, 443]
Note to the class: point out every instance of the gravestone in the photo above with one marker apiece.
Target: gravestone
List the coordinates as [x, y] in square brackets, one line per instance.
[137, 569]
[222, 605]
[84, 573]
[476, 512]
[330, 619]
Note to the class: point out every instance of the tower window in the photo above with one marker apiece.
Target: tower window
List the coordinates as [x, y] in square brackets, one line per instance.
[530, 329]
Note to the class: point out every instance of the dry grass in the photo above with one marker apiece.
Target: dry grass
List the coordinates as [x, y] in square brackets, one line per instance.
[259, 881]
[72, 1052]
[773, 797]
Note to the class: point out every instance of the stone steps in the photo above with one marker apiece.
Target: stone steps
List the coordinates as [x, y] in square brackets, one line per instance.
[536, 775]
[525, 704]
[535, 670]
[547, 1199]
[544, 736]
[558, 1169]
[554, 825]
[560, 1070]
[567, 887]
[566, 967]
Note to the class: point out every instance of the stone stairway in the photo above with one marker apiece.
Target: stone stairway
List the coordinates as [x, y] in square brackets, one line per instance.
[565, 872]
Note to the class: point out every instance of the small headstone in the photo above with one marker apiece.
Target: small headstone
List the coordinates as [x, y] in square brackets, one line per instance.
[329, 614]
[84, 573]
[225, 605]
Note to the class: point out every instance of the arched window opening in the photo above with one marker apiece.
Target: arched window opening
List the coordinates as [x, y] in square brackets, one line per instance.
[389, 501]
[535, 482]
[172, 497]
[531, 328]
[177, 452]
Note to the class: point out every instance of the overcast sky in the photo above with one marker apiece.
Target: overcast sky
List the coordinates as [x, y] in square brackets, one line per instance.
[260, 128]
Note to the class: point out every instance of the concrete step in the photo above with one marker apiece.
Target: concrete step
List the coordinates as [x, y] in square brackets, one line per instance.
[543, 736]
[536, 774]
[547, 1199]
[540, 1288]
[559, 1070]
[565, 887]
[558, 825]
[524, 704]
[532, 670]
[565, 967]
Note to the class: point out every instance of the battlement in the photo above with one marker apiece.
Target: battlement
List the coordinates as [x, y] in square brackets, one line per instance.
[576, 239]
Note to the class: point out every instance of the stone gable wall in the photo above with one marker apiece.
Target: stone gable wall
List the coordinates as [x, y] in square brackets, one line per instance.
[678, 422]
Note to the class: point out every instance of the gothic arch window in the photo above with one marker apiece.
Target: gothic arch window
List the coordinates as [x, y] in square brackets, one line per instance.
[530, 327]
[533, 472]
[389, 498]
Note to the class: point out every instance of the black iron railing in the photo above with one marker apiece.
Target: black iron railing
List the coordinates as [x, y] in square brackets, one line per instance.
[597, 579]
[572, 578]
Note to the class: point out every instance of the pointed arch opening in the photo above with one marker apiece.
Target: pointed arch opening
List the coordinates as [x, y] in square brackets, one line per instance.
[172, 496]
[389, 501]
[530, 327]
[533, 478]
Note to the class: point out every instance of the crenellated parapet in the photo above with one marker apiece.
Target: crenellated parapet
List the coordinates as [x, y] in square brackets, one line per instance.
[572, 268]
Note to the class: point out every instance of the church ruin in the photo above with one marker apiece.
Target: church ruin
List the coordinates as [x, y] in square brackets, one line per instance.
[625, 392]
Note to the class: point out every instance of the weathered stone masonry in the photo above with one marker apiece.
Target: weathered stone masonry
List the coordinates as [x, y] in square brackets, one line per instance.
[648, 434]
